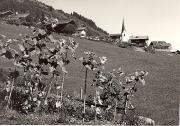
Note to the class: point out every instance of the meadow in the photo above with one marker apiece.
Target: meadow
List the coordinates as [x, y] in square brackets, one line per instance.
[158, 99]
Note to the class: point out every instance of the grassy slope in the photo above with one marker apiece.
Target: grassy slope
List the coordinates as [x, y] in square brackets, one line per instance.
[158, 99]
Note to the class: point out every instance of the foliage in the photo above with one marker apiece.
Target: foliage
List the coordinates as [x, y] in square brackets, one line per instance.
[43, 60]
[42, 66]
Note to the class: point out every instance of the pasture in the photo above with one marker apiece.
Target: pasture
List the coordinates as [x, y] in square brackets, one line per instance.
[158, 99]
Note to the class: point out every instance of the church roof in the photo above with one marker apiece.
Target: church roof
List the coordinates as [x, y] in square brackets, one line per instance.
[123, 27]
[111, 35]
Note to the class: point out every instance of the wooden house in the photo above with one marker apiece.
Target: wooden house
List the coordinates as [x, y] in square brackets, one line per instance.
[139, 41]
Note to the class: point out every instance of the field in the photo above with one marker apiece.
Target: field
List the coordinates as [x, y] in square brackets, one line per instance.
[158, 99]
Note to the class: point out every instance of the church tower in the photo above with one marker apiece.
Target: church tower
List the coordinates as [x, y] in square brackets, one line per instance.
[124, 36]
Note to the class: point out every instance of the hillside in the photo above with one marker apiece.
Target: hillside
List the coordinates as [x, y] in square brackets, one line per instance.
[38, 10]
[158, 99]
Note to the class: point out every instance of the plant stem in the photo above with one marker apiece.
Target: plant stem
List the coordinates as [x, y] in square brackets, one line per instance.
[95, 104]
[81, 94]
[115, 111]
[125, 106]
[49, 90]
[62, 86]
[85, 86]
[9, 99]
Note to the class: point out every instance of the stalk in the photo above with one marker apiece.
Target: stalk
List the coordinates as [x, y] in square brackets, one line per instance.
[125, 110]
[95, 104]
[62, 86]
[85, 86]
[9, 98]
[115, 111]
[49, 90]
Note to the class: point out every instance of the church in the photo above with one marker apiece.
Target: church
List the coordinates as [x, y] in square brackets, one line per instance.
[123, 37]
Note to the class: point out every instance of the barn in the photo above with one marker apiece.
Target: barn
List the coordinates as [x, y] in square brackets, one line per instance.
[115, 37]
[139, 41]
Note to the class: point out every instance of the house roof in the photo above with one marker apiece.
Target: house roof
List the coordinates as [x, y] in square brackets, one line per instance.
[139, 37]
[115, 35]
[5, 13]
[20, 15]
[161, 43]
[66, 21]
[81, 29]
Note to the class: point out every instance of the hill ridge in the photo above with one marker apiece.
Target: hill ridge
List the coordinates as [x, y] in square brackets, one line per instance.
[39, 9]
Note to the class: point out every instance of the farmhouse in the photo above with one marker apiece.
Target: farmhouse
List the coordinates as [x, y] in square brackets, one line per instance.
[139, 41]
[19, 16]
[81, 31]
[160, 45]
[115, 37]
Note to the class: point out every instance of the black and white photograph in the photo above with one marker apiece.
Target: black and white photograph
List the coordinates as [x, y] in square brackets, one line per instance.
[90, 62]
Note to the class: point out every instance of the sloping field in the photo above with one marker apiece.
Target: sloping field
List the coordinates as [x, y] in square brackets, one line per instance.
[158, 99]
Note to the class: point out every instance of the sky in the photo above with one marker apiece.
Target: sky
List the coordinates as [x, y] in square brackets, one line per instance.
[159, 19]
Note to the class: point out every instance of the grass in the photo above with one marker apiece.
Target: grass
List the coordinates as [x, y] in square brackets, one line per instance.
[158, 99]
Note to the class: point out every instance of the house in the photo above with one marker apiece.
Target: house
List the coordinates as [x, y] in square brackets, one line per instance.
[81, 31]
[67, 27]
[5, 14]
[115, 37]
[160, 45]
[19, 16]
[17, 19]
[122, 37]
[139, 41]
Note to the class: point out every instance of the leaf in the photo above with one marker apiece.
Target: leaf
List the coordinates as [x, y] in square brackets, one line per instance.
[58, 87]
[88, 66]
[58, 104]
[136, 74]
[103, 59]
[60, 63]
[21, 47]
[64, 69]
[142, 81]
[133, 77]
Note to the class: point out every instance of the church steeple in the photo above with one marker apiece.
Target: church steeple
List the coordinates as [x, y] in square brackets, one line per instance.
[124, 35]
[123, 27]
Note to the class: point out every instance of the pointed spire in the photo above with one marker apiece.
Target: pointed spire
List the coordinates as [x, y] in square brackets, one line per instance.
[123, 27]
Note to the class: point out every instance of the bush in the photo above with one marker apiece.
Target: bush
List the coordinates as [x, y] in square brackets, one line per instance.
[124, 44]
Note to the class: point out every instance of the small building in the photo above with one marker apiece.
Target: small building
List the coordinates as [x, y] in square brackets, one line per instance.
[139, 41]
[115, 37]
[17, 19]
[160, 45]
[81, 31]
[19, 16]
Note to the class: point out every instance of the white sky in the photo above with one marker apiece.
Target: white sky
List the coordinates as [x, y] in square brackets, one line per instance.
[159, 19]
